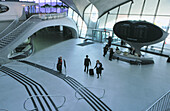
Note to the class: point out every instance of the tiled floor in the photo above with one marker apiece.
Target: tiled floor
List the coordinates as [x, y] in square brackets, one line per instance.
[127, 87]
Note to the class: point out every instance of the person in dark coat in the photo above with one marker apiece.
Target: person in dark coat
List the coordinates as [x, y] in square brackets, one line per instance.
[105, 49]
[87, 62]
[110, 41]
[99, 68]
[111, 54]
[59, 64]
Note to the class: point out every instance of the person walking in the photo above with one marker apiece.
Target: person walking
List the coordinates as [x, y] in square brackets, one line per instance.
[105, 49]
[110, 41]
[59, 64]
[111, 54]
[98, 68]
[87, 62]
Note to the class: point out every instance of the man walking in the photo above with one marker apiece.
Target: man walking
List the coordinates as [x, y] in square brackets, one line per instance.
[87, 62]
[59, 64]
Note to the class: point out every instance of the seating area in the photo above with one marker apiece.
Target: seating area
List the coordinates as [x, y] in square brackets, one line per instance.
[132, 59]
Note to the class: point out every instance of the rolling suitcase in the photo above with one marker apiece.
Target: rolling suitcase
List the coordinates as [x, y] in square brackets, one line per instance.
[91, 72]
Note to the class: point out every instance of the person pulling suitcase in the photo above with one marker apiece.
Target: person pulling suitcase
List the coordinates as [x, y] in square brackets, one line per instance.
[98, 68]
[87, 62]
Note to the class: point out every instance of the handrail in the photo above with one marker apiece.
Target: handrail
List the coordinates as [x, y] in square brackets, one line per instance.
[1, 34]
[160, 103]
[42, 96]
[93, 88]
[33, 16]
[19, 26]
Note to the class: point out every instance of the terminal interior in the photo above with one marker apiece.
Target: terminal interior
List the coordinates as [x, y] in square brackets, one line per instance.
[29, 79]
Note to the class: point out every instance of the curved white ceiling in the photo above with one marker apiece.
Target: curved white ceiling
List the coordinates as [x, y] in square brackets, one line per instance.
[103, 6]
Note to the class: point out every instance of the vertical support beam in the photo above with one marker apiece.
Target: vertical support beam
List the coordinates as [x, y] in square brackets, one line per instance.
[81, 28]
[156, 11]
[142, 8]
[117, 14]
[106, 19]
[89, 19]
[130, 9]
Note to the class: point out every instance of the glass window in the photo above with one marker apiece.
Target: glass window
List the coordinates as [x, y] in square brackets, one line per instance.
[48, 2]
[88, 9]
[110, 21]
[136, 7]
[79, 30]
[79, 23]
[94, 14]
[36, 1]
[102, 21]
[30, 0]
[54, 1]
[162, 22]
[156, 47]
[134, 17]
[37, 9]
[42, 1]
[148, 18]
[75, 17]
[86, 17]
[70, 13]
[124, 9]
[89, 32]
[94, 10]
[94, 17]
[121, 18]
[150, 7]
[84, 30]
[114, 11]
[164, 7]
[167, 45]
[92, 24]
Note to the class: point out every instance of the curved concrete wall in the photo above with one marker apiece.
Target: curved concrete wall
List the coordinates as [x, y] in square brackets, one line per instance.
[34, 28]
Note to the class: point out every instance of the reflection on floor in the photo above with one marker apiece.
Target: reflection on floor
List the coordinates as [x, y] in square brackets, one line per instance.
[127, 87]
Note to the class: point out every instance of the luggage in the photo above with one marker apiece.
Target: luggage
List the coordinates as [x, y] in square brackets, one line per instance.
[91, 72]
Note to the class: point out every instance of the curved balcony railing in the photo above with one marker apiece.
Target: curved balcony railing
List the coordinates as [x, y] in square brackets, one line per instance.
[4, 41]
[162, 104]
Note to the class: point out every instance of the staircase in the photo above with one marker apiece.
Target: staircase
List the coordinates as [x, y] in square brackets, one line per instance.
[10, 27]
[10, 41]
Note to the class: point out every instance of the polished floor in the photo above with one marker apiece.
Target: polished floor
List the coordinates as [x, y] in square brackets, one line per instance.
[127, 87]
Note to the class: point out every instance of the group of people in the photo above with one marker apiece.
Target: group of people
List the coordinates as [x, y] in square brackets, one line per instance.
[108, 48]
[87, 62]
[98, 66]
